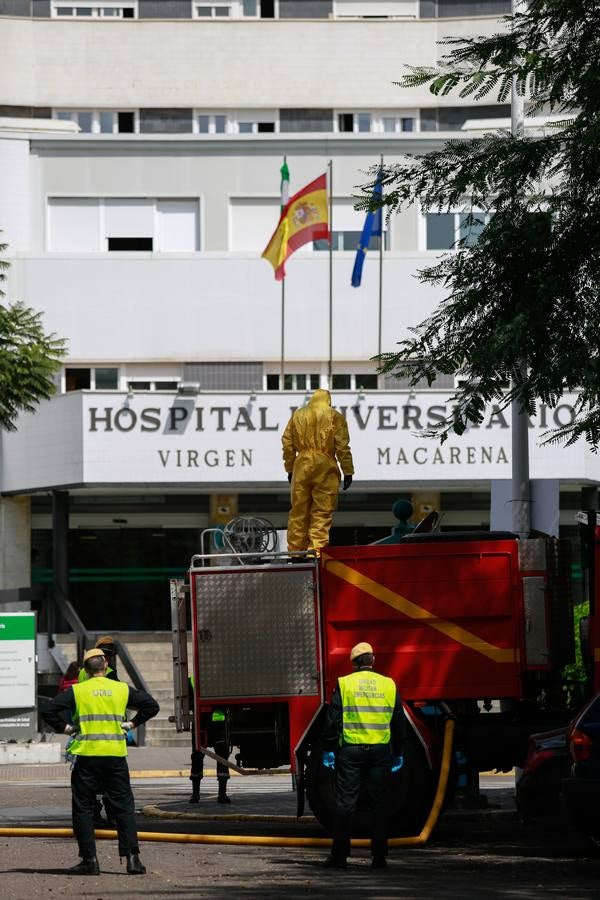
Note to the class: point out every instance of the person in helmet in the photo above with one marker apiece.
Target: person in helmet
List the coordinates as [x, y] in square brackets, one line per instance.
[315, 442]
[214, 725]
[97, 709]
[363, 740]
[107, 645]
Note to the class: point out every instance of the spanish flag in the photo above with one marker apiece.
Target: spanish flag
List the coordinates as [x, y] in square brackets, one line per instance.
[304, 218]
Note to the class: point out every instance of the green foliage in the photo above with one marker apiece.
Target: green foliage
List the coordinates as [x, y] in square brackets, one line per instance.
[529, 289]
[576, 672]
[28, 358]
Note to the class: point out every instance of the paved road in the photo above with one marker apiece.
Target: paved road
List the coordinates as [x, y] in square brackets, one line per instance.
[489, 856]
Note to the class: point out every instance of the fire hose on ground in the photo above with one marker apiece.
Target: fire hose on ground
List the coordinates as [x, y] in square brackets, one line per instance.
[417, 840]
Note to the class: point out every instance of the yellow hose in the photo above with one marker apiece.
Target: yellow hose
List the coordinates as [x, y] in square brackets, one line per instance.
[263, 841]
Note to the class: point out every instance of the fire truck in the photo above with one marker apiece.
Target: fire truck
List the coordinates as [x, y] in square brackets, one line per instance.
[471, 626]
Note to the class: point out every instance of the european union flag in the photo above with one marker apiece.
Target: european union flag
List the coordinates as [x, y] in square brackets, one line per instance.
[371, 228]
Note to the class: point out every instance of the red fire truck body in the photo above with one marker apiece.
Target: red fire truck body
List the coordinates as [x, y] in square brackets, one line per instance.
[474, 626]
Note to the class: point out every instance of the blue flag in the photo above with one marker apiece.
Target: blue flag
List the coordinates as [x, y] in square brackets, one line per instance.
[371, 228]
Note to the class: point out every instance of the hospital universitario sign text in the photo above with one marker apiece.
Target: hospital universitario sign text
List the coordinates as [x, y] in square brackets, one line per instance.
[392, 430]
[233, 438]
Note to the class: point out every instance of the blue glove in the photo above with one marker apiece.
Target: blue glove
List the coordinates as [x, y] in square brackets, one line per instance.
[329, 759]
[397, 763]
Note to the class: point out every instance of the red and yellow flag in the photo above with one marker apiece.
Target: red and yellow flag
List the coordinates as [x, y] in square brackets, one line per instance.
[304, 218]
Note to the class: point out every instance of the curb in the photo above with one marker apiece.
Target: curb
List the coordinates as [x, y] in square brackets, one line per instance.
[62, 771]
[153, 811]
[156, 812]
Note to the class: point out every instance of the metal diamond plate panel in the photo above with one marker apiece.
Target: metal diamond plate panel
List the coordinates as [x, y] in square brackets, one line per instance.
[257, 633]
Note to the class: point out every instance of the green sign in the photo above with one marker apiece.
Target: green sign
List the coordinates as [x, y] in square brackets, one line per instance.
[17, 660]
[17, 627]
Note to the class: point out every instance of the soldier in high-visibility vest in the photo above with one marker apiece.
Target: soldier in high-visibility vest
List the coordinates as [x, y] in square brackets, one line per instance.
[214, 724]
[98, 708]
[363, 739]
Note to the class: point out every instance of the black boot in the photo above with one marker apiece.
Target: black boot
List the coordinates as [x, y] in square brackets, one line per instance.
[222, 797]
[195, 798]
[134, 865]
[85, 867]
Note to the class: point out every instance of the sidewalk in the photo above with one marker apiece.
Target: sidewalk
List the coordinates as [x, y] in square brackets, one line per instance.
[144, 762]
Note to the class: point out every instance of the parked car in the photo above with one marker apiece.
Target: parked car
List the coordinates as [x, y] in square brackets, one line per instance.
[580, 789]
[538, 784]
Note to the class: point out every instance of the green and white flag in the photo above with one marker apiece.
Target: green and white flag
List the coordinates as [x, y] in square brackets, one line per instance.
[285, 184]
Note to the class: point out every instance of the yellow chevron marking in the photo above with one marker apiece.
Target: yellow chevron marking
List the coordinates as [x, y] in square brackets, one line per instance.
[413, 611]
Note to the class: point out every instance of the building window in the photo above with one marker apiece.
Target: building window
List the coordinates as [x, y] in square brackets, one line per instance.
[235, 9]
[396, 124]
[211, 123]
[116, 122]
[354, 122]
[81, 224]
[95, 379]
[101, 121]
[366, 381]
[106, 379]
[254, 127]
[225, 376]
[152, 385]
[349, 240]
[129, 244]
[380, 9]
[293, 382]
[78, 379]
[212, 11]
[441, 382]
[83, 9]
[443, 231]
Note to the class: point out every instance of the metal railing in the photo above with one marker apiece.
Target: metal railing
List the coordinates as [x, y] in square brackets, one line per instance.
[86, 640]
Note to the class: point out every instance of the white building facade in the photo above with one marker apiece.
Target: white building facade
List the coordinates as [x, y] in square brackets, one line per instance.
[140, 149]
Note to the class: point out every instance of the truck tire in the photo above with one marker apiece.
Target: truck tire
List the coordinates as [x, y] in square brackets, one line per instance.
[410, 793]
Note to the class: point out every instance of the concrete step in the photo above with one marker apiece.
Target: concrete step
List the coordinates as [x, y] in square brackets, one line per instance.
[175, 741]
[153, 655]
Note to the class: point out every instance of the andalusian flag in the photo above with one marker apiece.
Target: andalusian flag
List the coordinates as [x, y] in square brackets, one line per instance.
[285, 184]
[304, 218]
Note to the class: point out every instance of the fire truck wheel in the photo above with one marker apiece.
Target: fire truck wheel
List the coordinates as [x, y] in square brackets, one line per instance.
[409, 799]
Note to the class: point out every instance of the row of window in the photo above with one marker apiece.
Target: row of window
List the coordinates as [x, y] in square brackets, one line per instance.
[129, 10]
[165, 225]
[109, 378]
[106, 121]
[269, 9]
[92, 10]
[96, 224]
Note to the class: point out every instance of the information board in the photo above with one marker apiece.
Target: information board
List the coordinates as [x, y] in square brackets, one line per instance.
[17, 660]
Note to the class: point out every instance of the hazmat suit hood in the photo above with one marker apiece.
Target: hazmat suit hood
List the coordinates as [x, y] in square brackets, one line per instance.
[320, 398]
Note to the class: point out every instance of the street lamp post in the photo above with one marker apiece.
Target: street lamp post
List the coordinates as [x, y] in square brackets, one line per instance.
[520, 492]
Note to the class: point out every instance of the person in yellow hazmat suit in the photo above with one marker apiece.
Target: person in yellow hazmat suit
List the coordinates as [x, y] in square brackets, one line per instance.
[315, 440]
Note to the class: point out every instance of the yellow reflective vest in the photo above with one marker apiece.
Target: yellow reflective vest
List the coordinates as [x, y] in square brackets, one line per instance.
[100, 707]
[217, 714]
[368, 701]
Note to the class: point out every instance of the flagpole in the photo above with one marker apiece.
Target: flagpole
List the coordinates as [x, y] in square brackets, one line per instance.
[282, 334]
[330, 366]
[381, 236]
[283, 200]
